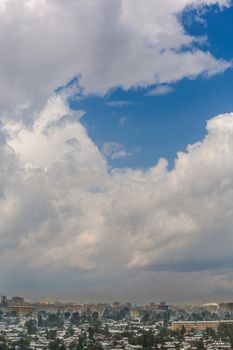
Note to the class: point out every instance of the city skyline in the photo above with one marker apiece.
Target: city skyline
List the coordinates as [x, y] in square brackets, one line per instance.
[116, 150]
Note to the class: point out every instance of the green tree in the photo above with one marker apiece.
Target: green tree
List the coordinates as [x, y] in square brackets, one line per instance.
[40, 320]
[23, 343]
[82, 340]
[91, 333]
[211, 333]
[57, 344]
[67, 315]
[51, 334]
[75, 318]
[95, 316]
[55, 320]
[70, 331]
[3, 343]
[199, 345]
[147, 339]
[31, 326]
[106, 331]
[94, 346]
[225, 332]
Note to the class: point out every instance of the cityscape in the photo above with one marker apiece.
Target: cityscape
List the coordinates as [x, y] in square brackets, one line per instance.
[55, 325]
[116, 174]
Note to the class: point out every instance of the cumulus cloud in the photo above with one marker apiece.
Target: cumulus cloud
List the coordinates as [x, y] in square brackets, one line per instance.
[115, 150]
[69, 212]
[107, 44]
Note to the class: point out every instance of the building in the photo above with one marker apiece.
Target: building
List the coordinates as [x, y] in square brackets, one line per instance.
[197, 325]
[16, 301]
[226, 307]
[22, 310]
[134, 312]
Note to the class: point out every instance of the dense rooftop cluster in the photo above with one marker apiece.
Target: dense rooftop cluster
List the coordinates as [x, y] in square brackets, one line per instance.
[117, 326]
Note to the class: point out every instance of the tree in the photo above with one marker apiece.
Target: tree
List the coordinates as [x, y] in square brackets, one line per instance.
[225, 332]
[147, 339]
[40, 320]
[67, 315]
[31, 326]
[106, 331]
[94, 346]
[183, 330]
[3, 343]
[57, 344]
[95, 316]
[82, 341]
[73, 346]
[75, 318]
[91, 333]
[70, 331]
[55, 320]
[211, 333]
[23, 344]
[51, 334]
[199, 344]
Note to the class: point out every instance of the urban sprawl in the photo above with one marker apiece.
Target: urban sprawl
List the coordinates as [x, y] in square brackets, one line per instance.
[55, 325]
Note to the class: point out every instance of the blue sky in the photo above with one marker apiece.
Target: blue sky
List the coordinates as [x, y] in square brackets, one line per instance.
[159, 126]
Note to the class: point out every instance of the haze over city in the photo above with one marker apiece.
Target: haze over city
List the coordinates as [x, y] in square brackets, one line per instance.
[116, 150]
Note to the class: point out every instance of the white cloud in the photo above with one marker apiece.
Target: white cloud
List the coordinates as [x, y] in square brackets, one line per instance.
[71, 213]
[114, 150]
[160, 90]
[55, 121]
[126, 43]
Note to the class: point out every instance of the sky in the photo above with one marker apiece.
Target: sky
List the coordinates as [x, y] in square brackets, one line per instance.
[116, 150]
